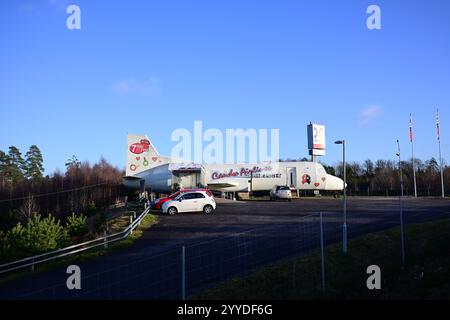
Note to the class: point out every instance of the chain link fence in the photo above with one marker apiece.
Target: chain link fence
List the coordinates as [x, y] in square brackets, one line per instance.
[188, 271]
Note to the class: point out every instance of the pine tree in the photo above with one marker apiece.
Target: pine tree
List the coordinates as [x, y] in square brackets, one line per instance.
[4, 160]
[73, 163]
[34, 168]
[15, 165]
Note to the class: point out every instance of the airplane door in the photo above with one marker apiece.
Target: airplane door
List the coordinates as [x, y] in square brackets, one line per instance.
[291, 177]
[142, 186]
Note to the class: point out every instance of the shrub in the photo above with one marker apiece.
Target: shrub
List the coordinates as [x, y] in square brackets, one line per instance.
[38, 236]
[12, 244]
[46, 234]
[76, 225]
[91, 208]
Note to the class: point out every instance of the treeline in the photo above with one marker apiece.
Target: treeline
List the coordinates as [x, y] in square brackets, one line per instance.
[25, 191]
[382, 177]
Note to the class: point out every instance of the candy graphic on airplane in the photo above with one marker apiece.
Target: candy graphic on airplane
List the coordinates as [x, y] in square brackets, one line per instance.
[140, 147]
[306, 179]
[133, 167]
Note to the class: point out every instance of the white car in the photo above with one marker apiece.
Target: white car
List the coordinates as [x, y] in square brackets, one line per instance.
[281, 192]
[190, 202]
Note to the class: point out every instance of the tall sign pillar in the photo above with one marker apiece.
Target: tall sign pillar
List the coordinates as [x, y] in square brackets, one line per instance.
[316, 140]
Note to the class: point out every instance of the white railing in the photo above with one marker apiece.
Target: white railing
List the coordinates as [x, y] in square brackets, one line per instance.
[76, 248]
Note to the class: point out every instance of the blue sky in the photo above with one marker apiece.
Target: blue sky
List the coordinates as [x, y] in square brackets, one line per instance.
[155, 66]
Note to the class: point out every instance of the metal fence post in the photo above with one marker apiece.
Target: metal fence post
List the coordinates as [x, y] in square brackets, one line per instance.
[402, 236]
[105, 240]
[183, 273]
[131, 222]
[322, 255]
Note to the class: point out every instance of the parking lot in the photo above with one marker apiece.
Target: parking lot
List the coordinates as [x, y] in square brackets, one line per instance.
[211, 237]
[236, 216]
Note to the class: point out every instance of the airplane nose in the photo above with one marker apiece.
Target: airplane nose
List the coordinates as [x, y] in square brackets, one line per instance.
[341, 184]
[334, 183]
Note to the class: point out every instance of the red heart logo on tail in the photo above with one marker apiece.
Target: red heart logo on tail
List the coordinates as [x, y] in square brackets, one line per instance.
[323, 179]
[154, 159]
[138, 158]
[317, 184]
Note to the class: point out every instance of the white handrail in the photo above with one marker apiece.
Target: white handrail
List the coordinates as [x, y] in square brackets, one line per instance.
[59, 253]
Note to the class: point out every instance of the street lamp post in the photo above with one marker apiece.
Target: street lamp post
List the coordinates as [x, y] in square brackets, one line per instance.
[411, 139]
[402, 242]
[440, 155]
[344, 225]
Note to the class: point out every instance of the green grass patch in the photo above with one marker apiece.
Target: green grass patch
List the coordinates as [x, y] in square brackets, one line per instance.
[146, 223]
[426, 274]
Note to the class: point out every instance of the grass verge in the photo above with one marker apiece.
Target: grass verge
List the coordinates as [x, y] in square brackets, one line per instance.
[426, 274]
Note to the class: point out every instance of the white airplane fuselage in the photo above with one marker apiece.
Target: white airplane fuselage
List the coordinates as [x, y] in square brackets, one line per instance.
[145, 167]
[243, 177]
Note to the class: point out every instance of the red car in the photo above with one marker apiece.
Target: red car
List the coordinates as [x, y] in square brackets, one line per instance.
[159, 202]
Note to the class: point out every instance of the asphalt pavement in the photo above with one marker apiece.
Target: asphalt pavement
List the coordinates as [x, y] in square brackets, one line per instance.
[237, 238]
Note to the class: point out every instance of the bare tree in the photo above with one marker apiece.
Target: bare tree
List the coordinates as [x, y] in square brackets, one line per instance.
[28, 209]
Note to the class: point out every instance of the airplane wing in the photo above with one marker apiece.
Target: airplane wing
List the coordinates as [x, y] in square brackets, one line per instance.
[240, 183]
[131, 178]
[217, 185]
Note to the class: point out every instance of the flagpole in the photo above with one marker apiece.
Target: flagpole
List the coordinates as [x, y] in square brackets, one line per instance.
[412, 154]
[440, 155]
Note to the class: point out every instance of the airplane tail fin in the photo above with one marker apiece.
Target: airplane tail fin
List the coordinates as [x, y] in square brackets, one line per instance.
[141, 154]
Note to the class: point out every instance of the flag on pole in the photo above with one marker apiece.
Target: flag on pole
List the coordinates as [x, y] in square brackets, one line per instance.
[410, 129]
[437, 126]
